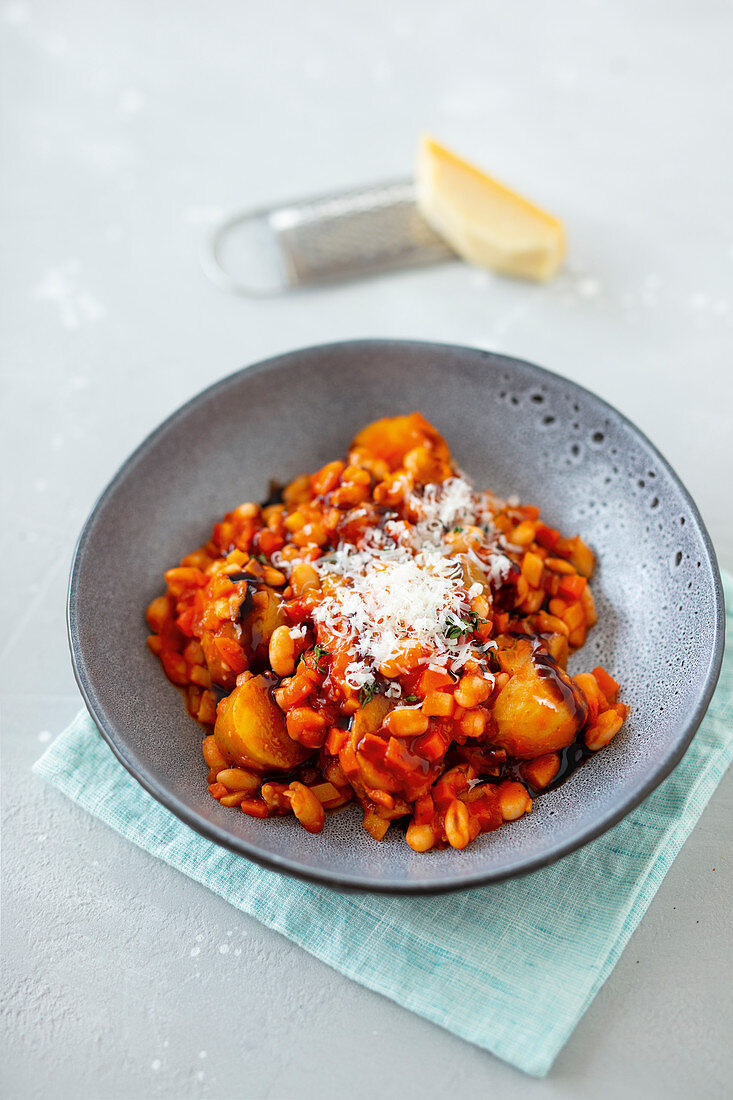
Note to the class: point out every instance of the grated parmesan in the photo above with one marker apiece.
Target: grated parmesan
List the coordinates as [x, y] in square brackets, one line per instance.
[402, 587]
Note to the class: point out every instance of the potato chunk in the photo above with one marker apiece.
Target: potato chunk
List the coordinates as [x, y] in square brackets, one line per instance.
[540, 710]
[250, 730]
[390, 440]
[368, 720]
[262, 619]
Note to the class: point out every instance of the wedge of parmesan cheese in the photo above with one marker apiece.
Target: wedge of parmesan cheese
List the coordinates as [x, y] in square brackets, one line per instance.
[485, 222]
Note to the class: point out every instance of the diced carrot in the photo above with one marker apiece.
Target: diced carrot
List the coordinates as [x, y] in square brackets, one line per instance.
[572, 587]
[432, 745]
[231, 654]
[269, 541]
[220, 587]
[424, 810]
[348, 761]
[184, 622]
[546, 536]
[398, 757]
[607, 684]
[336, 740]
[434, 681]
[484, 808]
[254, 807]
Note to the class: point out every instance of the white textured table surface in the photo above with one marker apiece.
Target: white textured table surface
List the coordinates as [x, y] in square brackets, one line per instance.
[128, 127]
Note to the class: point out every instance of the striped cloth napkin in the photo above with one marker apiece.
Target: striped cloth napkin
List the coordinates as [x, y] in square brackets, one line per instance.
[510, 967]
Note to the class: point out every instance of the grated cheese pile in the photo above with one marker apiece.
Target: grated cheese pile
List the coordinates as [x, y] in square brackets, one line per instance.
[400, 587]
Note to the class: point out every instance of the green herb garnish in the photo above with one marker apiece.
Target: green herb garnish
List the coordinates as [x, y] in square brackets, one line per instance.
[318, 653]
[367, 693]
[458, 627]
[412, 698]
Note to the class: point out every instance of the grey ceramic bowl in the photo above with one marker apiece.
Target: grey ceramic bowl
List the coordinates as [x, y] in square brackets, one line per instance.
[513, 427]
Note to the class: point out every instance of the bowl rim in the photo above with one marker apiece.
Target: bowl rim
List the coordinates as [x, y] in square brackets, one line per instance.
[323, 876]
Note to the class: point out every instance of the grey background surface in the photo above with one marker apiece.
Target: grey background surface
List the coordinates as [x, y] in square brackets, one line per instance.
[128, 129]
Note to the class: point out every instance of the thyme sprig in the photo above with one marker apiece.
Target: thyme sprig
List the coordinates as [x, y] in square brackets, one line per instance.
[458, 627]
[368, 692]
[318, 653]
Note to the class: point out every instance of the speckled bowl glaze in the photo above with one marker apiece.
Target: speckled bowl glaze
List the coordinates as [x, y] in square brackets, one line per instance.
[513, 427]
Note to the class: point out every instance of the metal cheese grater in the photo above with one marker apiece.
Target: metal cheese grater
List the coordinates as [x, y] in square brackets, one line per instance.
[324, 240]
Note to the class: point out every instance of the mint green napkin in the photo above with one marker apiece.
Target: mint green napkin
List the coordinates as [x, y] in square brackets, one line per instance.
[510, 967]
